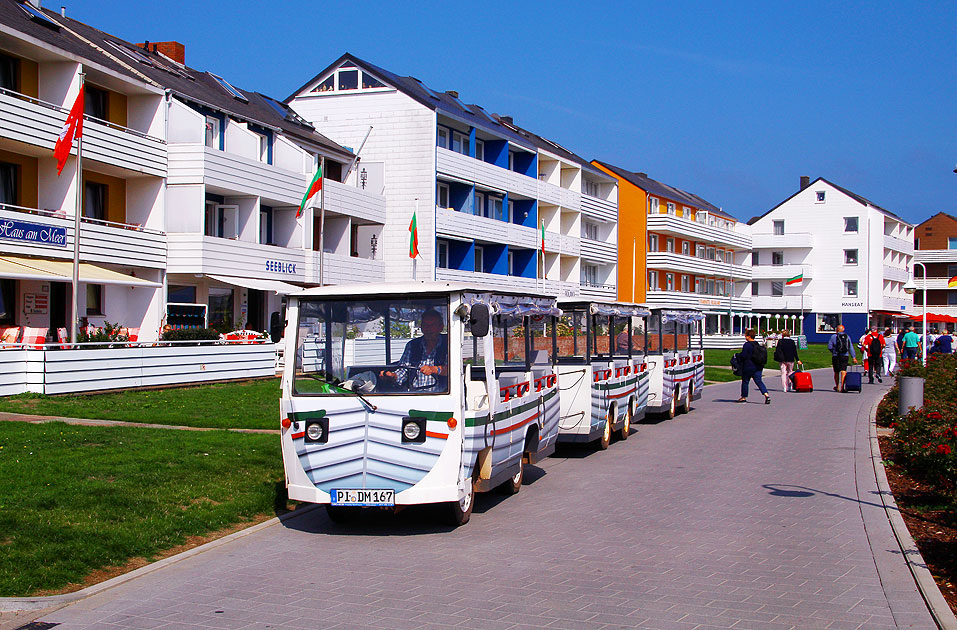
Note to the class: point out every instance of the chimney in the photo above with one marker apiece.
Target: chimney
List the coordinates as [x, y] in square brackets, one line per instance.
[642, 174]
[805, 181]
[173, 50]
[452, 93]
[62, 11]
[506, 119]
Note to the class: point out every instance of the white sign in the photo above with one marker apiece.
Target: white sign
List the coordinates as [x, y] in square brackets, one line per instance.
[847, 305]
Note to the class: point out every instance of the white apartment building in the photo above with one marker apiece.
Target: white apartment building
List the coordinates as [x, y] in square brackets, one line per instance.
[123, 248]
[481, 186]
[854, 257]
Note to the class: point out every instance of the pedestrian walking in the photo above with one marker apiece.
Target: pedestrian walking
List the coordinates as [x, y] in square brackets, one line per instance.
[890, 352]
[786, 354]
[874, 344]
[841, 349]
[752, 359]
[946, 342]
[909, 344]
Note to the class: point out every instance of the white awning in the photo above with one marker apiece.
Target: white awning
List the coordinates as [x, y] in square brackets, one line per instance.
[281, 288]
[62, 271]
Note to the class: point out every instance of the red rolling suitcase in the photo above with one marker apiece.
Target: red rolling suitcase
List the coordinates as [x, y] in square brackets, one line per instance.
[802, 382]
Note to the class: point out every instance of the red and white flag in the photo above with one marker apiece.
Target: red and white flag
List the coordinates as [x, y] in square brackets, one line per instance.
[72, 128]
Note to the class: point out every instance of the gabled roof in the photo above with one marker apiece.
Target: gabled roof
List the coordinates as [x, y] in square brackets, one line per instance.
[659, 189]
[185, 82]
[451, 105]
[858, 198]
[939, 214]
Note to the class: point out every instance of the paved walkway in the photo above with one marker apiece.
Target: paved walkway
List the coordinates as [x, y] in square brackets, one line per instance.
[735, 516]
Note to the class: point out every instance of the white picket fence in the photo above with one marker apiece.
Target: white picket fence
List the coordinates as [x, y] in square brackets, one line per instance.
[56, 371]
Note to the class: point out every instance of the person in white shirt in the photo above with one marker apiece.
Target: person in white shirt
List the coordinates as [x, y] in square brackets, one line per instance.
[890, 352]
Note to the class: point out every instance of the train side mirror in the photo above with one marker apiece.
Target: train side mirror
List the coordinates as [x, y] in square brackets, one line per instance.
[479, 320]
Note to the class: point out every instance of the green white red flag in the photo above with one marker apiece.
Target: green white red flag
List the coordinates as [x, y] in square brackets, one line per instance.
[798, 279]
[72, 128]
[413, 238]
[314, 187]
[543, 238]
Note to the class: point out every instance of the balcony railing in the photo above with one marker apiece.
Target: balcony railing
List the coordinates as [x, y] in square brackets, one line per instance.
[935, 255]
[739, 238]
[673, 261]
[599, 208]
[791, 240]
[598, 251]
[101, 241]
[780, 272]
[199, 254]
[680, 299]
[898, 244]
[38, 123]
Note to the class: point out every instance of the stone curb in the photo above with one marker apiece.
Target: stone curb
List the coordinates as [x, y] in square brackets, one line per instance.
[16, 604]
[936, 604]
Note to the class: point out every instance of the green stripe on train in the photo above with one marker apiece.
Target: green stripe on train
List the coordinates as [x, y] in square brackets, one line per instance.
[503, 415]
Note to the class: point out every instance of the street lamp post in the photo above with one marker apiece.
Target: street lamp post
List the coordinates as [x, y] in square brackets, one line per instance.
[910, 288]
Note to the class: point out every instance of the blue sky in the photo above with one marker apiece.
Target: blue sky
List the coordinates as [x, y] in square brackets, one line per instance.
[733, 103]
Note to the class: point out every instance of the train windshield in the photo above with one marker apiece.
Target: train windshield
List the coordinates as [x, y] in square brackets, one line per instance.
[374, 346]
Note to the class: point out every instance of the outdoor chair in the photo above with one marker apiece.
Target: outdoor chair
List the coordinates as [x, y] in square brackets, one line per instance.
[34, 338]
[10, 335]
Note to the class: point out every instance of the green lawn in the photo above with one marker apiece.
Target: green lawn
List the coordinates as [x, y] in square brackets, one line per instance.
[75, 499]
[719, 375]
[815, 356]
[247, 405]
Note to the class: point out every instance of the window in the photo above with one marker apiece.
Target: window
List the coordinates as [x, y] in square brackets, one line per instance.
[652, 242]
[590, 275]
[778, 227]
[672, 209]
[952, 298]
[729, 256]
[442, 137]
[653, 281]
[951, 271]
[850, 288]
[755, 259]
[236, 94]
[96, 102]
[819, 196]
[850, 224]
[8, 184]
[263, 147]
[496, 208]
[590, 230]
[221, 221]
[480, 210]
[710, 253]
[511, 212]
[686, 212]
[442, 195]
[442, 255]
[9, 73]
[511, 264]
[699, 285]
[777, 258]
[685, 247]
[181, 294]
[511, 160]
[754, 289]
[94, 201]
[850, 256]
[699, 250]
[951, 242]
[685, 283]
[329, 85]
[479, 259]
[94, 299]
[369, 81]
[460, 143]
[265, 225]
[777, 288]
[591, 188]
[669, 282]
[828, 322]
[670, 245]
[653, 206]
[348, 79]
[479, 150]
[213, 131]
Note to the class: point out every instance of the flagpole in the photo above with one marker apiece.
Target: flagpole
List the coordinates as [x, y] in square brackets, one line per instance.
[322, 218]
[416, 215]
[634, 262]
[76, 228]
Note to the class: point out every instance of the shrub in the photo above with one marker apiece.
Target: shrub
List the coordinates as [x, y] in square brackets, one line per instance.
[109, 335]
[190, 334]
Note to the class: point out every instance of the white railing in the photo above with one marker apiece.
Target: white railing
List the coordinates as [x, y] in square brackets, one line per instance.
[780, 272]
[739, 238]
[604, 291]
[779, 302]
[896, 273]
[100, 241]
[598, 251]
[196, 253]
[700, 301]
[898, 244]
[672, 261]
[352, 201]
[802, 240]
[599, 208]
[341, 269]
[58, 371]
[935, 255]
[35, 122]
[931, 283]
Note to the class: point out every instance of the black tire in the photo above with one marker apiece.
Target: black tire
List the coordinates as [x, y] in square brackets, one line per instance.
[686, 406]
[343, 514]
[514, 483]
[625, 430]
[673, 409]
[605, 438]
[461, 511]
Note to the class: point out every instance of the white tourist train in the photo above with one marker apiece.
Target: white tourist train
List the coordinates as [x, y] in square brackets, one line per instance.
[400, 394]
[603, 376]
[675, 356]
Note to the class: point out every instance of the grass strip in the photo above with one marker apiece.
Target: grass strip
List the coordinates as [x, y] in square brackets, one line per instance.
[241, 405]
[75, 500]
[816, 355]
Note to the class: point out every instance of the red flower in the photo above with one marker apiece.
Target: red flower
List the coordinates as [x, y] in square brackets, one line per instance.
[943, 449]
[934, 415]
[893, 425]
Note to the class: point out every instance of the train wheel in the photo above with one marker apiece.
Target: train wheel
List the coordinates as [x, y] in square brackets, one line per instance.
[461, 511]
[605, 438]
[626, 428]
[343, 514]
[673, 408]
[514, 484]
[686, 407]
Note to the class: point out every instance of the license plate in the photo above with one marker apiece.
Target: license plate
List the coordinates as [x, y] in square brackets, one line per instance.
[364, 497]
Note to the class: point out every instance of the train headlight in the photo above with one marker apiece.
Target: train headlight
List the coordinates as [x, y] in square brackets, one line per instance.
[317, 431]
[413, 430]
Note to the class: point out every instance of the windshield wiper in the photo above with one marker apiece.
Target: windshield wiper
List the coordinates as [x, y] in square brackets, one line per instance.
[332, 381]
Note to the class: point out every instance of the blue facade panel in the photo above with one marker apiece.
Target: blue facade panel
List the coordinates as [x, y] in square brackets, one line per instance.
[855, 325]
[462, 255]
[496, 258]
[524, 261]
[496, 152]
[525, 212]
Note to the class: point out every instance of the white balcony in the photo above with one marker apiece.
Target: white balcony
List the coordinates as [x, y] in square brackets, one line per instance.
[672, 261]
[598, 251]
[739, 238]
[780, 272]
[31, 121]
[549, 193]
[678, 299]
[791, 240]
[932, 283]
[571, 199]
[482, 173]
[100, 241]
[352, 201]
[199, 254]
[896, 273]
[496, 281]
[340, 269]
[935, 255]
[231, 173]
[461, 225]
[599, 291]
[896, 304]
[779, 303]
[599, 208]
[899, 244]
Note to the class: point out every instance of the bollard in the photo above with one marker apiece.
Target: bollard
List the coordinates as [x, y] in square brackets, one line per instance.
[911, 394]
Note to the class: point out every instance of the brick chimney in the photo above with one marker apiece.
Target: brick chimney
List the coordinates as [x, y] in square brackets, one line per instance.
[452, 93]
[173, 50]
[805, 181]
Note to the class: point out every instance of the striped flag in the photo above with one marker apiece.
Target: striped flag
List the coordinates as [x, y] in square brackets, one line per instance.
[314, 187]
[543, 238]
[798, 279]
[413, 238]
[952, 283]
[72, 128]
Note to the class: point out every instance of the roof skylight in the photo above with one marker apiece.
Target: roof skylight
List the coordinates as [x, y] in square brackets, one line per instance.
[38, 16]
[223, 83]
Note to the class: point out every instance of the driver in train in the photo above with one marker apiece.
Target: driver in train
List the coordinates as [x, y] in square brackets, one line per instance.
[423, 365]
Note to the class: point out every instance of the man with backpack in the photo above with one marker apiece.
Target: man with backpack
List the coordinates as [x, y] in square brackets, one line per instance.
[841, 348]
[751, 361]
[873, 346]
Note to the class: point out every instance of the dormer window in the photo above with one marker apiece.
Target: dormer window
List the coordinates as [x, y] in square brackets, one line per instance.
[349, 78]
